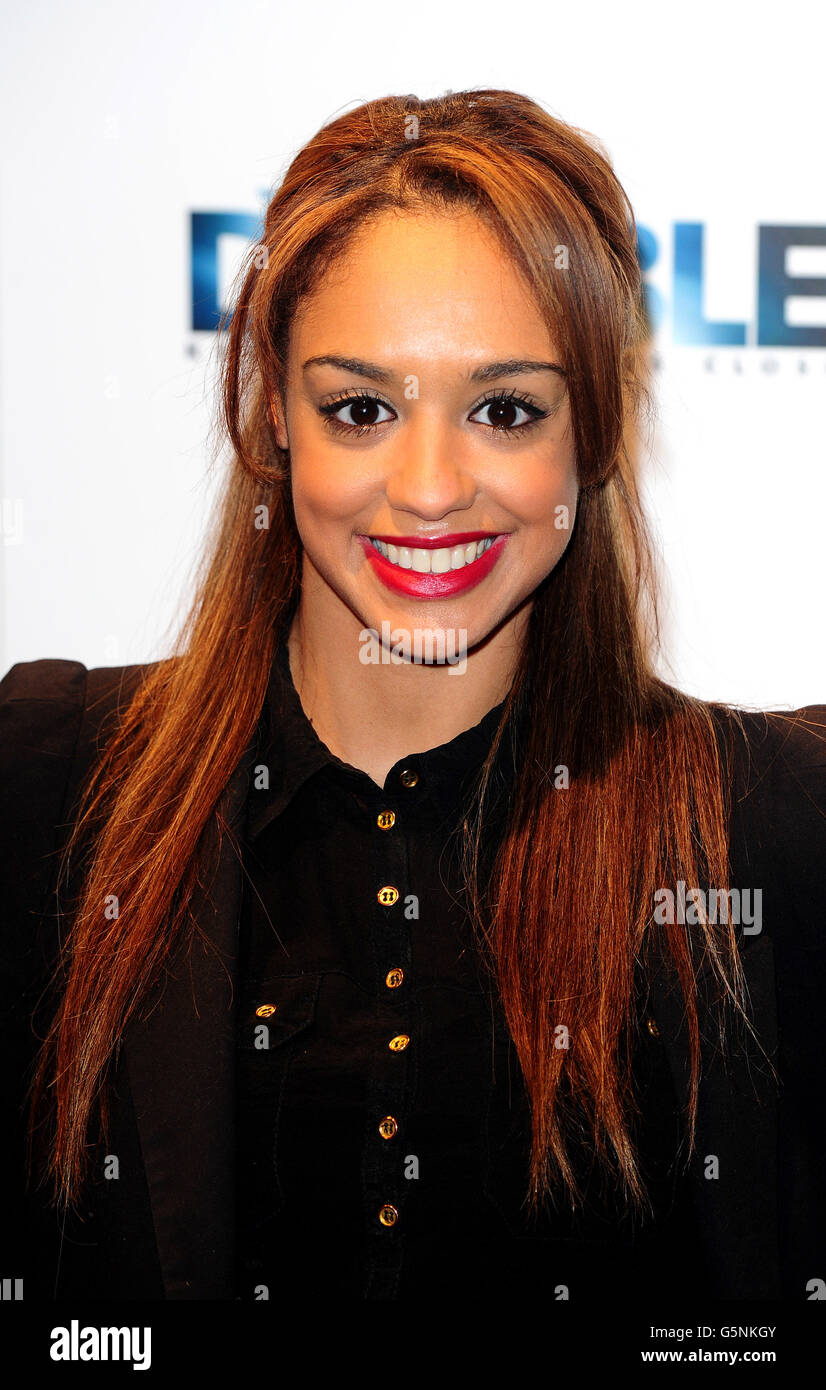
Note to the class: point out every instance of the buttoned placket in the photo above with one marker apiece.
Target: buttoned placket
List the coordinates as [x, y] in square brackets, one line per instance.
[391, 1083]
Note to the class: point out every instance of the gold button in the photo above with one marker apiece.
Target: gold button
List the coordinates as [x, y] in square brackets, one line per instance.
[387, 1127]
[651, 1024]
[393, 978]
[399, 1043]
[388, 1216]
[408, 778]
[388, 895]
[386, 820]
[265, 1010]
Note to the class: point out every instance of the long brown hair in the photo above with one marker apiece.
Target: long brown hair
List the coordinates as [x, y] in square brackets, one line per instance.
[565, 914]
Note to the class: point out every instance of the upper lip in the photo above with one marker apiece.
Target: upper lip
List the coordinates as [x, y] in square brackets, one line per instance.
[436, 542]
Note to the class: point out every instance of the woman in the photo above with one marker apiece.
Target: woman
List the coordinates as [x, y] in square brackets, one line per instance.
[408, 934]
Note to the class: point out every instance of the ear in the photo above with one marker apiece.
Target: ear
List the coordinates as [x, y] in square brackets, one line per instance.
[277, 417]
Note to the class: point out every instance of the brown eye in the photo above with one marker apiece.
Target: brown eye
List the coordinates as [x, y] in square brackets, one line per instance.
[363, 411]
[503, 414]
[504, 410]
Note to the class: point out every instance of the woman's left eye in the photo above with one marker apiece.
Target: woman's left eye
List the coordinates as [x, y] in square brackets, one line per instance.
[504, 408]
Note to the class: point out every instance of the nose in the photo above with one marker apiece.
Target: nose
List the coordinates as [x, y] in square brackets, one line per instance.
[431, 475]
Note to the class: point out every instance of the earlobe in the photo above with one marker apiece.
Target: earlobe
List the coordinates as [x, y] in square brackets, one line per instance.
[280, 432]
[276, 419]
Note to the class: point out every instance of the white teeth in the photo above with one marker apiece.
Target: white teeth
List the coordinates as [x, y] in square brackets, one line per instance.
[439, 561]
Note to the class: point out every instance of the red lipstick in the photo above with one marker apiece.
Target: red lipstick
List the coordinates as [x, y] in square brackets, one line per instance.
[415, 585]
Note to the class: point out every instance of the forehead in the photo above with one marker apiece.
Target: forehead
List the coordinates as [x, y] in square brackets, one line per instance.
[434, 285]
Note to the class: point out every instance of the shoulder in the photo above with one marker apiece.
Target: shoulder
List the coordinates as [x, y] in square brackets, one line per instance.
[777, 757]
[795, 811]
[58, 682]
[41, 706]
[778, 826]
[52, 713]
[44, 703]
[40, 694]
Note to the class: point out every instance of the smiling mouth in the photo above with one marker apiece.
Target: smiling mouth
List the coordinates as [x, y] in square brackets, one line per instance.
[443, 560]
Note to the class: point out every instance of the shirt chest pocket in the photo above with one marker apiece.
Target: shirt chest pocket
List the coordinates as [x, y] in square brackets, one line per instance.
[277, 1021]
[278, 1010]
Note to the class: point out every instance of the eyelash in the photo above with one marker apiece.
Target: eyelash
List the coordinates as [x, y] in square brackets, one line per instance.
[354, 393]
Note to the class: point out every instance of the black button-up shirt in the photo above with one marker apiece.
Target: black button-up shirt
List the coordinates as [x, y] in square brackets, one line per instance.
[383, 1124]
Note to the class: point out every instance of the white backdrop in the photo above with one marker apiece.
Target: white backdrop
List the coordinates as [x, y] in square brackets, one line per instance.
[123, 123]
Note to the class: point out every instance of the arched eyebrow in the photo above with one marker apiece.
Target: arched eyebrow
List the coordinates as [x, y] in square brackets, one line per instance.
[491, 371]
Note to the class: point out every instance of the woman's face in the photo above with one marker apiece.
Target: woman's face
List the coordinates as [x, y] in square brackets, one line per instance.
[438, 431]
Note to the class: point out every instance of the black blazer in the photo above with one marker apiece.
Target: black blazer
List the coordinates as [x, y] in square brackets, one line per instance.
[164, 1228]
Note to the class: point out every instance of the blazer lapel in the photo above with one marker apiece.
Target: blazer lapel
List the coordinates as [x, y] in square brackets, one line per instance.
[180, 1064]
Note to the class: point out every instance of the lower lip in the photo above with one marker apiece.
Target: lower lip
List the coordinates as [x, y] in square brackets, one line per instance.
[416, 585]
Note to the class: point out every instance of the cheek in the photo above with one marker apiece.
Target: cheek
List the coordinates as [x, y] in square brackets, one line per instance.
[542, 489]
[565, 505]
[544, 505]
[324, 492]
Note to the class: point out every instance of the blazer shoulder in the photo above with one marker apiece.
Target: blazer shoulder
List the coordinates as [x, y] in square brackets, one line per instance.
[779, 806]
[797, 800]
[772, 750]
[50, 710]
[46, 699]
[48, 679]
[41, 704]
[52, 713]
[800, 761]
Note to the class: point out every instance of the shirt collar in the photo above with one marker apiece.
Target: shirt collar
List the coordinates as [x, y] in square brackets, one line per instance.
[291, 751]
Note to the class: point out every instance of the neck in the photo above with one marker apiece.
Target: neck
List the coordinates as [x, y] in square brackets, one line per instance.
[372, 713]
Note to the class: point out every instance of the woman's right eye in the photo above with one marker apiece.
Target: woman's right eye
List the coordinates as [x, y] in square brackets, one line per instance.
[365, 413]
